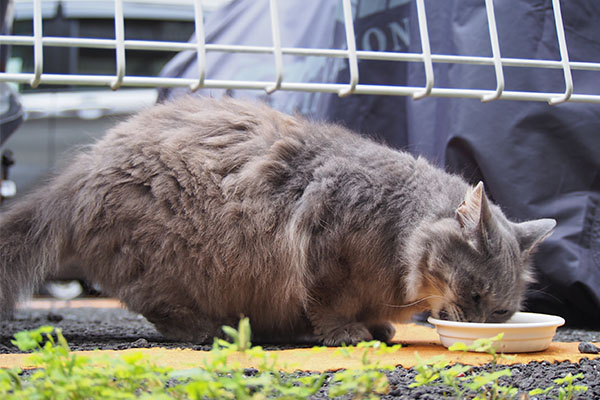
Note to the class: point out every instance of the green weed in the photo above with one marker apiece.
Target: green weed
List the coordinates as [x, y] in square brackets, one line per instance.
[567, 388]
[369, 381]
[485, 385]
[64, 375]
[60, 374]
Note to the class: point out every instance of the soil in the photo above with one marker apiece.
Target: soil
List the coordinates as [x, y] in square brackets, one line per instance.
[103, 328]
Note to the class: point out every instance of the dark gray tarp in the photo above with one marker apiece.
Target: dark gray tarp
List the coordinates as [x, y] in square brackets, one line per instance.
[536, 160]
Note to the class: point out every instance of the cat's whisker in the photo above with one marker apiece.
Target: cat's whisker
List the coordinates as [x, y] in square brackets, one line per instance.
[455, 313]
[434, 283]
[431, 281]
[544, 293]
[413, 303]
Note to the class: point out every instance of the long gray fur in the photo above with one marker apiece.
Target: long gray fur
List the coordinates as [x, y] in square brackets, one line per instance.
[195, 212]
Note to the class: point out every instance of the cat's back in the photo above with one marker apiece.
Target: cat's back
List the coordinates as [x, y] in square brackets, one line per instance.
[199, 136]
[200, 144]
[194, 124]
[217, 135]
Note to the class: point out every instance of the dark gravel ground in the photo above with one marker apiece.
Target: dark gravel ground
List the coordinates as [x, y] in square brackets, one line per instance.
[92, 328]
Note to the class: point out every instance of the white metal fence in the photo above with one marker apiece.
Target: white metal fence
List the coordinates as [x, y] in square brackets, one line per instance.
[119, 44]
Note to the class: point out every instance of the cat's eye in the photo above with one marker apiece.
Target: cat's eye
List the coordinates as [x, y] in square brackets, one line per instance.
[501, 312]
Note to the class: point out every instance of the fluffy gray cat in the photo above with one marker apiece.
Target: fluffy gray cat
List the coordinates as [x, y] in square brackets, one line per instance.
[195, 212]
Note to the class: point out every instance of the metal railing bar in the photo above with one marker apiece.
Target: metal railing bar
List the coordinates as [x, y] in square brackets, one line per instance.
[119, 45]
[277, 54]
[200, 46]
[426, 53]
[361, 54]
[351, 52]
[38, 44]
[144, 81]
[494, 42]
[564, 55]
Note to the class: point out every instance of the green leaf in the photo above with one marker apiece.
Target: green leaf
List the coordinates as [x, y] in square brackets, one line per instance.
[538, 391]
[569, 378]
[486, 378]
[458, 346]
[244, 334]
[318, 349]
[231, 332]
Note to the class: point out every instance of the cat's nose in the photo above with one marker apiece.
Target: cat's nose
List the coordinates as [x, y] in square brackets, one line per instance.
[477, 318]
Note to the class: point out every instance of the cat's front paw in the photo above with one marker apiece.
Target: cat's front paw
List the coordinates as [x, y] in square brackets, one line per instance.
[349, 334]
[384, 331]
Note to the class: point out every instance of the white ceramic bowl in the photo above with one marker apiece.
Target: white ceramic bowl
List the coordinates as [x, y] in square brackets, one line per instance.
[523, 332]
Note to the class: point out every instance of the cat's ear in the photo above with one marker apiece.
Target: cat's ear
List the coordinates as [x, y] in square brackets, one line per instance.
[475, 218]
[532, 233]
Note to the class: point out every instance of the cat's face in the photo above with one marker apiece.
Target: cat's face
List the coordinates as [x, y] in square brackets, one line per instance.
[477, 265]
[476, 286]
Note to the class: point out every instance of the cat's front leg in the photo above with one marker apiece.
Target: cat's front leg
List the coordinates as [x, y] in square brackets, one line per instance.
[334, 330]
[382, 331]
[348, 334]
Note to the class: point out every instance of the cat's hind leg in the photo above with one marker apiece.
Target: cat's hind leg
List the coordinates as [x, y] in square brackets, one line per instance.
[185, 324]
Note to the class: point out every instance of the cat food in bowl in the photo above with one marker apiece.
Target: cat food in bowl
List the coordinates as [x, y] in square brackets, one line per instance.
[523, 332]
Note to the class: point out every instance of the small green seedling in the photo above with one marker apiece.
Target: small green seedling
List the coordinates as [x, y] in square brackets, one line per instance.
[482, 345]
[241, 336]
[485, 385]
[64, 375]
[368, 381]
[567, 388]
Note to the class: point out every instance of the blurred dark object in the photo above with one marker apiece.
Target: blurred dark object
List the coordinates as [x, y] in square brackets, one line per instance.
[6, 163]
[588, 348]
[7, 187]
[6, 20]
[11, 112]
